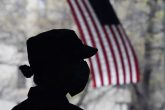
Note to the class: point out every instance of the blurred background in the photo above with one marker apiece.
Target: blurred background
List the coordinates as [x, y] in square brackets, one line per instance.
[144, 22]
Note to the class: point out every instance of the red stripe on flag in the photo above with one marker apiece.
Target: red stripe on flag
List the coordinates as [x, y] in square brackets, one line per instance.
[122, 68]
[127, 56]
[101, 42]
[113, 54]
[82, 36]
[92, 40]
[120, 54]
[134, 54]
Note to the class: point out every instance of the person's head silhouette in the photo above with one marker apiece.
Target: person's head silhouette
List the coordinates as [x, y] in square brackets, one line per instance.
[56, 59]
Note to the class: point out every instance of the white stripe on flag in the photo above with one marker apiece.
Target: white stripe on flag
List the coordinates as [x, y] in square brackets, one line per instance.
[119, 66]
[93, 42]
[123, 53]
[106, 45]
[87, 37]
[95, 36]
[132, 60]
[116, 62]
[125, 57]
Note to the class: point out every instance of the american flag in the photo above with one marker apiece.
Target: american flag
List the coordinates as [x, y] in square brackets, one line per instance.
[116, 62]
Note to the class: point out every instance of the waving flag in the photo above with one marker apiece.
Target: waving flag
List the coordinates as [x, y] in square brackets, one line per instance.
[116, 62]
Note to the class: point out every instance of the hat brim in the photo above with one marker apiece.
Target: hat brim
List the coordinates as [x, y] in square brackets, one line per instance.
[88, 51]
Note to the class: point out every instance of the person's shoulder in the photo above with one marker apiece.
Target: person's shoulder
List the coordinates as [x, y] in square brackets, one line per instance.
[21, 106]
[74, 107]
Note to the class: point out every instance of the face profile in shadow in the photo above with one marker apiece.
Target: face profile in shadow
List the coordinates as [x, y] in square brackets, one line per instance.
[57, 64]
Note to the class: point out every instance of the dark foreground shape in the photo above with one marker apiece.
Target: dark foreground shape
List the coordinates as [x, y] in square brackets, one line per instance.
[56, 59]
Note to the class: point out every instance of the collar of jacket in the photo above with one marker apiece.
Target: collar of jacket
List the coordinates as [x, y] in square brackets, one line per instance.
[46, 94]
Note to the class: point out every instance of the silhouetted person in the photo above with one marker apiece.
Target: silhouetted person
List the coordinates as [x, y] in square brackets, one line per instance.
[56, 59]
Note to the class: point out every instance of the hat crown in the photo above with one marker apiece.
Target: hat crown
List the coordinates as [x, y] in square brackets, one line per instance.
[56, 44]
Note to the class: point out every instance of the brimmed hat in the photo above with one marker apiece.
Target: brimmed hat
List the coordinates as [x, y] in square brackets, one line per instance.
[58, 43]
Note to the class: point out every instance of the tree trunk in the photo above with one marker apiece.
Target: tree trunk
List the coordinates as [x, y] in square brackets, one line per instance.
[141, 93]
